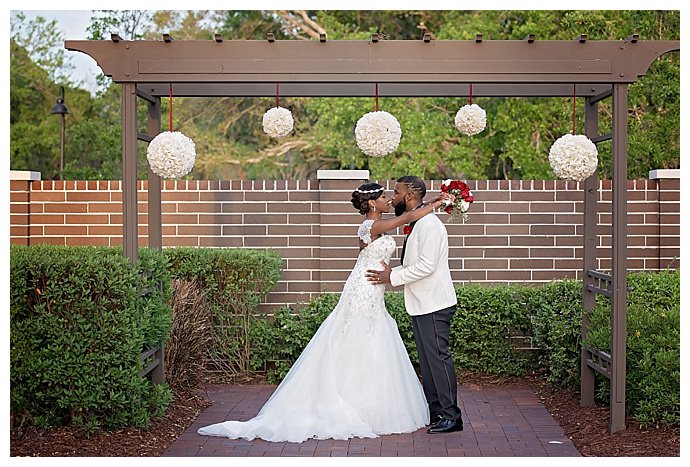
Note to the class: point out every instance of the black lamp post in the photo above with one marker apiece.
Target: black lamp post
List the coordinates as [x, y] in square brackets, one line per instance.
[61, 109]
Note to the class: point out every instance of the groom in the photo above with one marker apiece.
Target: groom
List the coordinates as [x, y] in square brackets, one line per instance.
[430, 299]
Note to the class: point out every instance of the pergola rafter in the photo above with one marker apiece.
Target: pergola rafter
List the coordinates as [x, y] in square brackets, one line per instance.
[425, 68]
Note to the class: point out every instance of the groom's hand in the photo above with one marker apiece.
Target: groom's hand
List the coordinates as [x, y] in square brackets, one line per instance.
[380, 277]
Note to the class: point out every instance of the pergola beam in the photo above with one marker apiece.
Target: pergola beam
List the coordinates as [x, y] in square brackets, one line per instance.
[345, 89]
[500, 61]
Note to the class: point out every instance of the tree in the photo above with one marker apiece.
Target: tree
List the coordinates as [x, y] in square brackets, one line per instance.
[43, 42]
[231, 143]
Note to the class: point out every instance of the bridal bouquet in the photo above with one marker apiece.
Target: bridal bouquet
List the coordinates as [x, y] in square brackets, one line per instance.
[463, 199]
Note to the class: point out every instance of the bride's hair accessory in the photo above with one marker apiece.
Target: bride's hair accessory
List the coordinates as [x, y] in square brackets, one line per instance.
[364, 192]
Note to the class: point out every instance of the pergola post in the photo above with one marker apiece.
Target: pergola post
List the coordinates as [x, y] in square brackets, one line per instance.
[129, 172]
[619, 251]
[589, 260]
[154, 189]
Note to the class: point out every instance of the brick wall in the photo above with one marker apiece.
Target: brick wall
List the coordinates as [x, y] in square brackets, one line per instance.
[518, 231]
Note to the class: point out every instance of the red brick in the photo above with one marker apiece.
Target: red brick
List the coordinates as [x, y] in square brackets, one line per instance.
[468, 275]
[87, 196]
[87, 218]
[485, 241]
[46, 219]
[532, 196]
[552, 252]
[308, 196]
[531, 263]
[217, 196]
[265, 242]
[199, 230]
[53, 196]
[242, 230]
[106, 230]
[104, 207]
[550, 229]
[221, 242]
[552, 207]
[66, 230]
[19, 208]
[539, 240]
[508, 275]
[95, 241]
[199, 207]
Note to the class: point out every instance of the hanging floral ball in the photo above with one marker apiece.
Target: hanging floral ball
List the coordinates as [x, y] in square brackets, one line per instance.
[573, 157]
[470, 119]
[378, 133]
[171, 154]
[278, 122]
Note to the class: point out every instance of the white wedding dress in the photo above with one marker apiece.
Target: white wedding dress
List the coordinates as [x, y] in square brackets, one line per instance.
[353, 379]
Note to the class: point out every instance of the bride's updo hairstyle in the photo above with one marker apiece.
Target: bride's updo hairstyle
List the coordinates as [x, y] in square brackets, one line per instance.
[362, 195]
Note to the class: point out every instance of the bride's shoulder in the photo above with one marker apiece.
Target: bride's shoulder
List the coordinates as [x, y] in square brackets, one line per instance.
[364, 230]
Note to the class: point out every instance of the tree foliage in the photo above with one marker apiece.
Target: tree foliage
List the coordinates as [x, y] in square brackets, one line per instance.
[230, 142]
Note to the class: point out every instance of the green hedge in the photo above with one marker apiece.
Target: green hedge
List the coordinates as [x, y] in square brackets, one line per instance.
[77, 328]
[653, 346]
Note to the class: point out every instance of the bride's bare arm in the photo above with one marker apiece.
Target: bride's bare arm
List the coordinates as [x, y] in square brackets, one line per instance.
[384, 225]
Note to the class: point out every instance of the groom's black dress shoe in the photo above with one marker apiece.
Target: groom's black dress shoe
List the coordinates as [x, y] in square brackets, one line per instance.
[445, 426]
[435, 419]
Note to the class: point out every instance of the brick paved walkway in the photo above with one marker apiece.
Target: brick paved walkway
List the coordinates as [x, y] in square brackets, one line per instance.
[499, 421]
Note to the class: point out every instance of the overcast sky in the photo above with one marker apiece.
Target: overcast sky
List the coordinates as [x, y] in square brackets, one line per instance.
[72, 24]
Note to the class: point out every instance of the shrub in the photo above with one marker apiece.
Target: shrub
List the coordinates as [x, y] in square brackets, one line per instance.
[555, 312]
[485, 318]
[653, 346]
[78, 325]
[234, 282]
[189, 337]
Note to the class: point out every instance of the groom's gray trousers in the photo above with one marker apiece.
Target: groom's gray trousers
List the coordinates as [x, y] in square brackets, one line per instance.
[431, 333]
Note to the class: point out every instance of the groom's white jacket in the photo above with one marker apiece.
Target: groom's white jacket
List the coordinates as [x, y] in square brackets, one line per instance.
[424, 271]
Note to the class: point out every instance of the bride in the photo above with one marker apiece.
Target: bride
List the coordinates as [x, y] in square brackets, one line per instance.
[354, 378]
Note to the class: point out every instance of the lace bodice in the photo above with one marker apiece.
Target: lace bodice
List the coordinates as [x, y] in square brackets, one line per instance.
[377, 250]
[362, 299]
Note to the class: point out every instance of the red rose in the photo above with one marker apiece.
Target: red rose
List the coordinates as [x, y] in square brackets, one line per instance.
[453, 185]
[449, 209]
[465, 193]
[470, 199]
[463, 186]
[407, 229]
[444, 188]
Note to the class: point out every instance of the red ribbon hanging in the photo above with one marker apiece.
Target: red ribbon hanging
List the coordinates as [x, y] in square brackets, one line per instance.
[170, 113]
[573, 109]
[377, 97]
[470, 93]
[277, 94]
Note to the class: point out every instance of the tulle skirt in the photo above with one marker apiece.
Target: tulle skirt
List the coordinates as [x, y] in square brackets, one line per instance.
[354, 379]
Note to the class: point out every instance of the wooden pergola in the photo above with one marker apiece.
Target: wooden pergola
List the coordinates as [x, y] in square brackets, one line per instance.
[424, 68]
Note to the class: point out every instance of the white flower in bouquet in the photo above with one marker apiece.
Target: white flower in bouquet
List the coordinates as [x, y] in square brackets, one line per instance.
[278, 122]
[171, 154]
[470, 119]
[378, 133]
[573, 157]
[463, 199]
